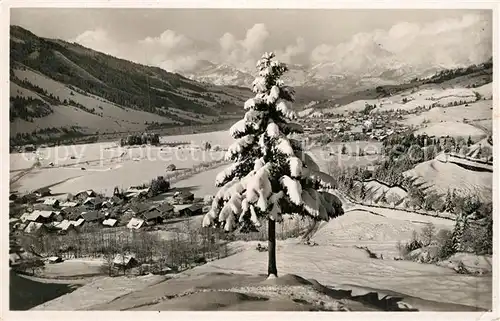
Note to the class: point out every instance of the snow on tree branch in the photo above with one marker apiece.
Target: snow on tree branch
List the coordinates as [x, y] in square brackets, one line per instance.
[293, 189]
[285, 111]
[238, 147]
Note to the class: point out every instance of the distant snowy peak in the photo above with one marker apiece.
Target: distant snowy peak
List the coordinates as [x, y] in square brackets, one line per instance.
[222, 74]
[351, 69]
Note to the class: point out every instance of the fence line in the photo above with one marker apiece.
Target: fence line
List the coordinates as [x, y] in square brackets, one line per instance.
[420, 212]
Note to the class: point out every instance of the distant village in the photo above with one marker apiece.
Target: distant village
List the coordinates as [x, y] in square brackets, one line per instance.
[353, 126]
[134, 208]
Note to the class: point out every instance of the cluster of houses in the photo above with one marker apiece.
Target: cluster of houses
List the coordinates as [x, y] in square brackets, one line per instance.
[133, 209]
[360, 126]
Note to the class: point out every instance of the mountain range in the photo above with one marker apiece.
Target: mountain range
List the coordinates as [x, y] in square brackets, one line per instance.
[61, 88]
[356, 69]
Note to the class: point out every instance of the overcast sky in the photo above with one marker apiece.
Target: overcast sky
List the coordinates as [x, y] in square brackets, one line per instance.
[176, 39]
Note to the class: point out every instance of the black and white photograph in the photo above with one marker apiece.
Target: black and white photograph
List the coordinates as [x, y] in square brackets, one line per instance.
[250, 159]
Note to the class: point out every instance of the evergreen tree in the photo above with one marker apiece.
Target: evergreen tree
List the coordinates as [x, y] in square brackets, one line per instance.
[469, 141]
[271, 174]
[461, 225]
[362, 192]
[487, 237]
[448, 203]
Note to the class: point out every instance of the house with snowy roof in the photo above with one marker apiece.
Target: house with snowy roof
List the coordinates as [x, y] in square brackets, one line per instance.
[135, 223]
[92, 216]
[38, 216]
[68, 204]
[136, 209]
[35, 228]
[42, 192]
[63, 225]
[53, 202]
[124, 261]
[152, 216]
[93, 203]
[72, 213]
[191, 210]
[135, 192]
[24, 217]
[83, 195]
[110, 222]
[183, 197]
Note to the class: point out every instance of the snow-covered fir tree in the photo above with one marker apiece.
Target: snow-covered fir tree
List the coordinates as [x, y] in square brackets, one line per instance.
[271, 174]
[461, 225]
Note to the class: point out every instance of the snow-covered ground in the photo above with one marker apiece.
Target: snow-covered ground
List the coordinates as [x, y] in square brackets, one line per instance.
[336, 261]
[477, 110]
[203, 183]
[452, 129]
[98, 291]
[107, 165]
[410, 100]
[326, 161]
[441, 176]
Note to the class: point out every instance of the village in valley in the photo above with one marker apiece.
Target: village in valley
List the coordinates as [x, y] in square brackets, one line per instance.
[141, 208]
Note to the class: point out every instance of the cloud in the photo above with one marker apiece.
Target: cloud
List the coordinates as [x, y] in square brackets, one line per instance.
[97, 39]
[227, 42]
[168, 40]
[176, 52]
[242, 53]
[446, 43]
[255, 38]
[291, 51]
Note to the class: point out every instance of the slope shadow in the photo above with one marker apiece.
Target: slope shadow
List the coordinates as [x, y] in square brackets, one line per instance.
[190, 293]
[25, 294]
[388, 300]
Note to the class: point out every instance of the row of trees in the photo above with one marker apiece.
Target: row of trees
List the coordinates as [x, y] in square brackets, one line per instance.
[52, 136]
[464, 237]
[405, 151]
[443, 75]
[28, 108]
[186, 246]
[158, 186]
[349, 180]
[145, 138]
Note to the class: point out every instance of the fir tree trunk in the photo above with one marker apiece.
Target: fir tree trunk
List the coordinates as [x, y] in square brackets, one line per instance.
[271, 248]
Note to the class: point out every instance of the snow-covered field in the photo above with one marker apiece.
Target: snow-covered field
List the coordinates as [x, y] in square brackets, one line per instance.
[453, 129]
[203, 183]
[409, 100]
[73, 268]
[98, 291]
[477, 110]
[375, 190]
[107, 165]
[441, 176]
[336, 261]
[330, 155]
